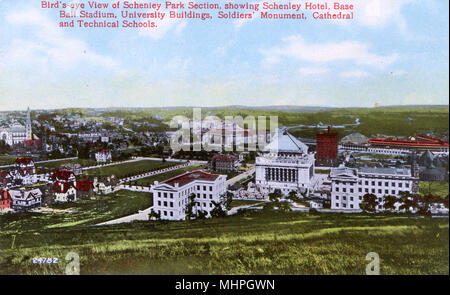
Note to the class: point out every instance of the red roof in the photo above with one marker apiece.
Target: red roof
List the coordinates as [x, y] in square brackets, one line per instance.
[102, 151]
[84, 185]
[62, 174]
[30, 142]
[61, 186]
[25, 161]
[191, 176]
[423, 141]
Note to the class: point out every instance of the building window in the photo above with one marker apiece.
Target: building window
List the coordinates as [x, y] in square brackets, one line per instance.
[171, 204]
[210, 188]
[165, 204]
[171, 213]
[165, 195]
[165, 213]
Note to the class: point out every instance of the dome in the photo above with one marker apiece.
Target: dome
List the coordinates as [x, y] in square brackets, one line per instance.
[286, 142]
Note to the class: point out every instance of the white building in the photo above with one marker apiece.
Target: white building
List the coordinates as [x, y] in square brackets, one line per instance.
[285, 164]
[171, 197]
[349, 185]
[16, 133]
[23, 200]
[103, 155]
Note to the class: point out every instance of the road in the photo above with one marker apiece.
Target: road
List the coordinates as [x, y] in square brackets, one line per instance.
[241, 176]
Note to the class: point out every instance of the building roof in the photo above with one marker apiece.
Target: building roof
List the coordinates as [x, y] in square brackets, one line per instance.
[426, 159]
[188, 177]
[286, 142]
[62, 174]
[355, 138]
[18, 195]
[227, 158]
[385, 170]
[102, 151]
[25, 161]
[84, 185]
[422, 141]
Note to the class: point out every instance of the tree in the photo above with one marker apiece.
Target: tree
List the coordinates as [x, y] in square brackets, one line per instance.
[369, 203]
[201, 214]
[154, 215]
[446, 202]
[409, 202]
[293, 196]
[275, 195]
[218, 211]
[389, 202]
[190, 207]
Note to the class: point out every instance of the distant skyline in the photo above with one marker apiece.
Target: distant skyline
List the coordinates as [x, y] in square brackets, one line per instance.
[398, 57]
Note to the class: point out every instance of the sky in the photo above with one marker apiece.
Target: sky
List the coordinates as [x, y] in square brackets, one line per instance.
[395, 52]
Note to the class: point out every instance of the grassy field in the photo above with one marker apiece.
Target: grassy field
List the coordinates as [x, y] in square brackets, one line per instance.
[400, 120]
[263, 242]
[436, 188]
[6, 160]
[237, 203]
[57, 164]
[82, 213]
[148, 181]
[128, 169]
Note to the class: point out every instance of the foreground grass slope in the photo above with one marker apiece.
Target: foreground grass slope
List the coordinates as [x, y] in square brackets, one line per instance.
[263, 242]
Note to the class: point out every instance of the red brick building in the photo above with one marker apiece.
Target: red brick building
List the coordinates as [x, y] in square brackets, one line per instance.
[327, 147]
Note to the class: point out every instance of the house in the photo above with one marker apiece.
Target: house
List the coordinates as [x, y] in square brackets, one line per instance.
[76, 168]
[23, 200]
[5, 200]
[24, 172]
[103, 155]
[104, 185]
[171, 197]
[64, 191]
[6, 179]
[223, 163]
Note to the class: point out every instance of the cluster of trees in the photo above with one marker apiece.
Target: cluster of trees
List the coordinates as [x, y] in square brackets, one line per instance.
[420, 204]
[220, 208]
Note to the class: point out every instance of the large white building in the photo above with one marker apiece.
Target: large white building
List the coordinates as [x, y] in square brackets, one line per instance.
[284, 164]
[17, 133]
[171, 197]
[349, 185]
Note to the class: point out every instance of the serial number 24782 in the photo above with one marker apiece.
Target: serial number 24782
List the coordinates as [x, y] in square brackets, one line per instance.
[45, 260]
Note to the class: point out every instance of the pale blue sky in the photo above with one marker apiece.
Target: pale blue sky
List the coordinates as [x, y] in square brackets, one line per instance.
[399, 56]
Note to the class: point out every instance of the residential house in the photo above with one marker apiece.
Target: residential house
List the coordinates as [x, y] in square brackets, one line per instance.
[23, 200]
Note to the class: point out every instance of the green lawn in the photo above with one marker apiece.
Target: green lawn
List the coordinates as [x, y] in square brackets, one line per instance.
[6, 160]
[148, 181]
[129, 169]
[263, 242]
[57, 164]
[435, 188]
[237, 203]
[83, 212]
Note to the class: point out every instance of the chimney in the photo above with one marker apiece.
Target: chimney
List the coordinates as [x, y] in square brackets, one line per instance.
[176, 184]
[329, 128]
